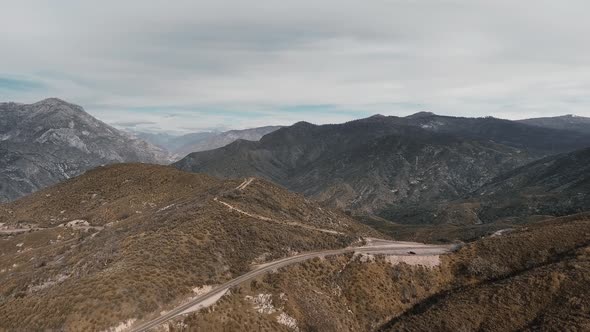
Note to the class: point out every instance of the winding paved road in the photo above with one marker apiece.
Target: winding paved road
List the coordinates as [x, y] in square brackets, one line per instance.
[375, 246]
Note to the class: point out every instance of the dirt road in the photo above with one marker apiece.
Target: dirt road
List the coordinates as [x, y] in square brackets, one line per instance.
[244, 184]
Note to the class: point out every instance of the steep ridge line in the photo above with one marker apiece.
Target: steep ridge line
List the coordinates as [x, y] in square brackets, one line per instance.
[209, 298]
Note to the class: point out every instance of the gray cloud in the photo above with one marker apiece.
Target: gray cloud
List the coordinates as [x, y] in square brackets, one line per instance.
[461, 57]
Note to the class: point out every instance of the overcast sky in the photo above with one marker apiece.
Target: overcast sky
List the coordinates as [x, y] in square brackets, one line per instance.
[197, 65]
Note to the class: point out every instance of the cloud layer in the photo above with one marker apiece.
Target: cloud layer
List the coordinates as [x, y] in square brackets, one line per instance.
[194, 65]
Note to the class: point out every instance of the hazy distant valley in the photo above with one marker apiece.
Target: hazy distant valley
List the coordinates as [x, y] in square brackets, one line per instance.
[181, 145]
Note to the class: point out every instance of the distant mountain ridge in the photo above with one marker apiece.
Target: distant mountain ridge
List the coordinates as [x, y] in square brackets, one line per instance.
[370, 163]
[536, 140]
[567, 122]
[384, 161]
[52, 140]
[202, 141]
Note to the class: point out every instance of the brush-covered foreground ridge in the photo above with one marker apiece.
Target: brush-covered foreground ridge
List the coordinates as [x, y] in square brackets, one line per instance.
[124, 241]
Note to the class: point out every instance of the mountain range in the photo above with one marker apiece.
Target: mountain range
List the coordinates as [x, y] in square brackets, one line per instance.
[388, 164]
[537, 140]
[422, 168]
[569, 122]
[270, 232]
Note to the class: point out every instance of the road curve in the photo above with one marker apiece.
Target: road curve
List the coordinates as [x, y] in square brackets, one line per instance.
[379, 247]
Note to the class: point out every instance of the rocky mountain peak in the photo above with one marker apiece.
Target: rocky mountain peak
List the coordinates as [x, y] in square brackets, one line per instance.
[420, 115]
[52, 101]
[52, 140]
[303, 124]
[377, 116]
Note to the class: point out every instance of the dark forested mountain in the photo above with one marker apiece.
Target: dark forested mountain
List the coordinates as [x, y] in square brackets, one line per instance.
[568, 122]
[557, 185]
[553, 186]
[49, 141]
[537, 140]
[195, 142]
[366, 164]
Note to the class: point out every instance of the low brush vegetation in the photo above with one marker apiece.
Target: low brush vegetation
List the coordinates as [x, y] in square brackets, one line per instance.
[533, 278]
[130, 241]
[340, 293]
[153, 234]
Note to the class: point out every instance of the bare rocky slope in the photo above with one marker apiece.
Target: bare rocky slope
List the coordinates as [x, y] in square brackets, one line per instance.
[128, 240]
[47, 142]
[372, 164]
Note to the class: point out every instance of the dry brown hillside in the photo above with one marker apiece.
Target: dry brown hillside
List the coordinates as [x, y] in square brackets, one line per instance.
[534, 278]
[124, 241]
